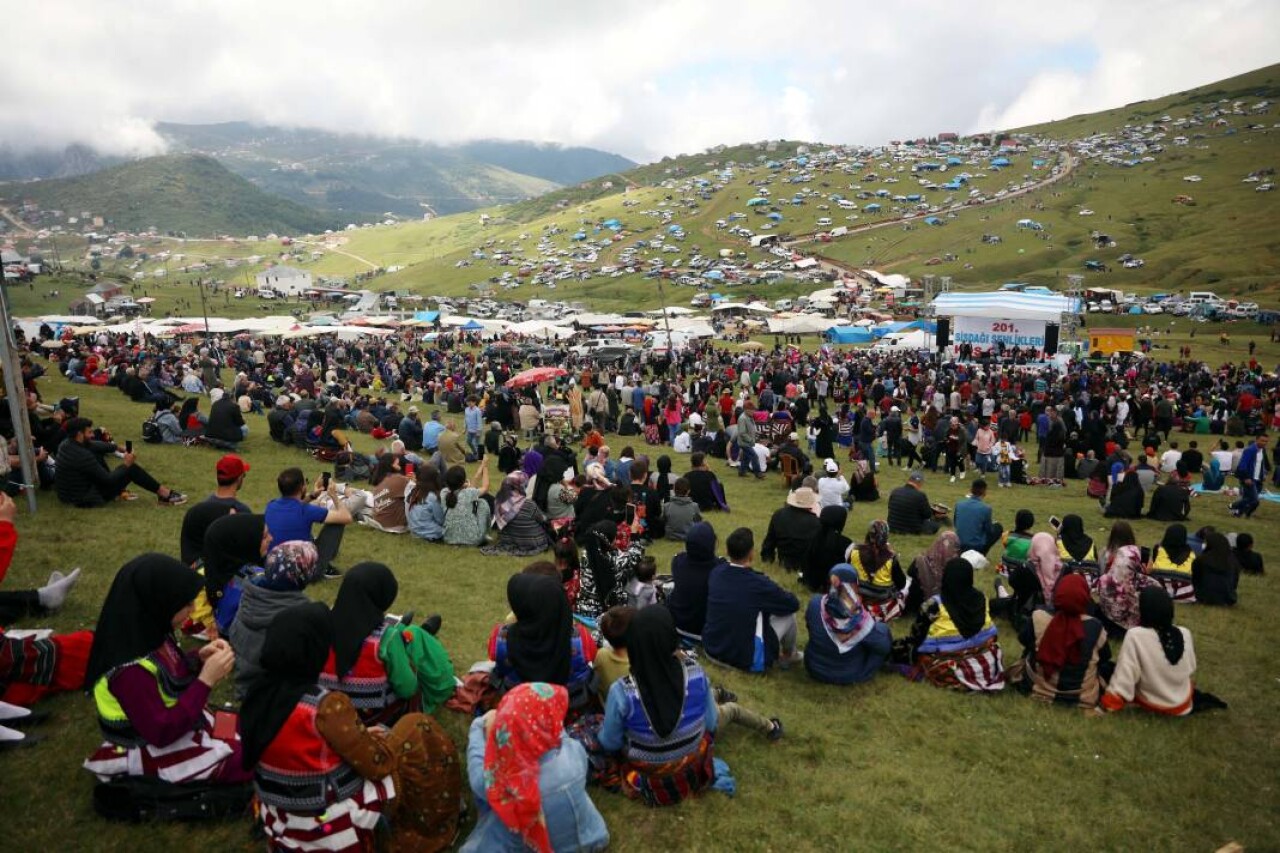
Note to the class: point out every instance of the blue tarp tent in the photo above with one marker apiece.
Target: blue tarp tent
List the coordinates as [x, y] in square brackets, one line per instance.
[872, 207]
[848, 335]
[674, 229]
[581, 235]
[1000, 161]
[426, 316]
[473, 326]
[714, 275]
[932, 220]
[613, 224]
[757, 201]
[776, 217]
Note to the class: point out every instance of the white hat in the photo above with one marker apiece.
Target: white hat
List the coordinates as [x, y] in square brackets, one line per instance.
[802, 498]
[568, 475]
[894, 409]
[831, 466]
[696, 419]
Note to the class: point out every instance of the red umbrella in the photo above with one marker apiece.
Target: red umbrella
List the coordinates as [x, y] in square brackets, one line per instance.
[536, 376]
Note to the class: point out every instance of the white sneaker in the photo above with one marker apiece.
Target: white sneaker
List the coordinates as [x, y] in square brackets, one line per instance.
[953, 479]
[962, 473]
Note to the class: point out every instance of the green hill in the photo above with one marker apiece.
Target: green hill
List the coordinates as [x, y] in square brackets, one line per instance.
[176, 193]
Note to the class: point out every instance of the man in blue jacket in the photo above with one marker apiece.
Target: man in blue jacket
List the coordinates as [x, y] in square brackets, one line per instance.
[736, 596]
[973, 521]
[1251, 471]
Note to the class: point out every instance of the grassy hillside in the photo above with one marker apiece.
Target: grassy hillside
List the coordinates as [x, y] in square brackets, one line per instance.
[181, 193]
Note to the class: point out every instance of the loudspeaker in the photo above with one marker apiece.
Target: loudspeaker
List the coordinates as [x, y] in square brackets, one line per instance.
[1051, 338]
[943, 337]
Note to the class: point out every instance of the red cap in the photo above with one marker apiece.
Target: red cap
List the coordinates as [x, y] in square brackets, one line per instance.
[231, 466]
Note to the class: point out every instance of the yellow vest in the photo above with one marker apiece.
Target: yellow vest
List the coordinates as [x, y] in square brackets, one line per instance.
[943, 627]
[1091, 557]
[112, 719]
[1163, 564]
[883, 575]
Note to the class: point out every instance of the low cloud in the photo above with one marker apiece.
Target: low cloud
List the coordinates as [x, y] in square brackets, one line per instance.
[644, 80]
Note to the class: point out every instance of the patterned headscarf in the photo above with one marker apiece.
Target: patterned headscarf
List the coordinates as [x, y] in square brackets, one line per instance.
[875, 550]
[945, 547]
[527, 725]
[843, 616]
[511, 497]
[290, 566]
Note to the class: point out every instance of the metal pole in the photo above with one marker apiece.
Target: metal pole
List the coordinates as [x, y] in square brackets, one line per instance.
[203, 307]
[666, 320]
[17, 401]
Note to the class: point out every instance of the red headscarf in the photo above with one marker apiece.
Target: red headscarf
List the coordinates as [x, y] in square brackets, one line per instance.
[527, 725]
[1060, 644]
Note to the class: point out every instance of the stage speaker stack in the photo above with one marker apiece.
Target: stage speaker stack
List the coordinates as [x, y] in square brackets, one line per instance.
[1051, 338]
[943, 337]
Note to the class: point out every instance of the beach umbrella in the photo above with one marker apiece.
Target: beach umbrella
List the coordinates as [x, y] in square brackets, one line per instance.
[536, 376]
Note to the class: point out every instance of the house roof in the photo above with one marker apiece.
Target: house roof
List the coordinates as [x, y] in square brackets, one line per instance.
[282, 271]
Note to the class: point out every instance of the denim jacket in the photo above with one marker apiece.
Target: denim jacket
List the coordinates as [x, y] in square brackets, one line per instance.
[572, 820]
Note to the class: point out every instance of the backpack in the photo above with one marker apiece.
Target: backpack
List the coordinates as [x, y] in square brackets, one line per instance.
[151, 431]
[349, 466]
[138, 799]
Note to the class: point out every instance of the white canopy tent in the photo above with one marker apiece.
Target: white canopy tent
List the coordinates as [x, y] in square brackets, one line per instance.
[1005, 305]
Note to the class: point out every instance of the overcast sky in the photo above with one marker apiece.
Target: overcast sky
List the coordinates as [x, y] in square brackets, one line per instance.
[643, 79]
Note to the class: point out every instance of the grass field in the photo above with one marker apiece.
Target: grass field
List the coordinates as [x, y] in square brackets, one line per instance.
[888, 765]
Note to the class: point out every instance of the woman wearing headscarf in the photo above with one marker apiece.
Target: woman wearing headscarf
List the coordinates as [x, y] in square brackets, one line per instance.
[1214, 479]
[690, 573]
[1216, 572]
[324, 781]
[531, 464]
[1171, 501]
[846, 643]
[926, 570]
[361, 630]
[1119, 586]
[233, 548]
[1157, 662]
[954, 639]
[1017, 545]
[829, 548]
[1075, 547]
[149, 695]
[880, 577]
[545, 643]
[1127, 498]
[287, 570]
[1066, 658]
[606, 569]
[523, 530]
[1170, 564]
[529, 778]
[661, 717]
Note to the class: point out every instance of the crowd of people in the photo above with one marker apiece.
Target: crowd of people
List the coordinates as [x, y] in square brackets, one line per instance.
[602, 672]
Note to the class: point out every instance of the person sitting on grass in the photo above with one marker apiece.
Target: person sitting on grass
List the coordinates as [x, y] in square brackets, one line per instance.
[847, 644]
[680, 512]
[662, 717]
[523, 529]
[467, 508]
[424, 510]
[149, 695]
[1075, 547]
[1250, 560]
[744, 605]
[1066, 659]
[529, 778]
[1157, 661]
[1215, 572]
[611, 661]
[544, 643]
[881, 581]
[321, 776]
[84, 480]
[1170, 564]
[691, 573]
[954, 640]
[291, 516]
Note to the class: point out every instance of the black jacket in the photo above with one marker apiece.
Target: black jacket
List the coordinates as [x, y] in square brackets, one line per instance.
[909, 509]
[225, 421]
[81, 470]
[790, 531]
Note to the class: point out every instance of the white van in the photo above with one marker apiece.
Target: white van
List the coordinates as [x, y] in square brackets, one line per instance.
[782, 305]
[1200, 297]
[824, 222]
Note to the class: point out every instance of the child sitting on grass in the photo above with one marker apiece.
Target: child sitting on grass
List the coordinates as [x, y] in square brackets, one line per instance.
[611, 662]
[642, 591]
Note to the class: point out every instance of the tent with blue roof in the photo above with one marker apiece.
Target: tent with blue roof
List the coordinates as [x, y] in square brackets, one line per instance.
[932, 220]
[473, 326]
[848, 335]
[872, 207]
[757, 201]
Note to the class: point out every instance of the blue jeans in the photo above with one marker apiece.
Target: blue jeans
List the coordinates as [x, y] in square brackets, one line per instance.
[1005, 474]
[1248, 502]
[748, 459]
[473, 442]
[868, 450]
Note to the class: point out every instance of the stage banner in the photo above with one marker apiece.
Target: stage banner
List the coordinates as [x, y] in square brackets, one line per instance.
[985, 333]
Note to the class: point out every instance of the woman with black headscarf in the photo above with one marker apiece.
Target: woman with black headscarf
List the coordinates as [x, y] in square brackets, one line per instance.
[320, 774]
[356, 666]
[829, 548]
[545, 643]
[1127, 498]
[954, 638]
[606, 569]
[1076, 547]
[1171, 562]
[1215, 572]
[234, 546]
[661, 717]
[1157, 661]
[150, 696]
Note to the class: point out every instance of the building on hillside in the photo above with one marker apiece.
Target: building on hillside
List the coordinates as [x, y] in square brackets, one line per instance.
[948, 137]
[284, 279]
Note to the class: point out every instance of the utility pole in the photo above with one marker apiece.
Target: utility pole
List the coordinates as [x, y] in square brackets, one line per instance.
[17, 401]
[203, 307]
[666, 320]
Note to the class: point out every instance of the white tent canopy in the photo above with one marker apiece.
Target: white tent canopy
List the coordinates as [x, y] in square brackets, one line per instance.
[1005, 305]
[803, 324]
